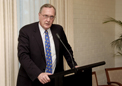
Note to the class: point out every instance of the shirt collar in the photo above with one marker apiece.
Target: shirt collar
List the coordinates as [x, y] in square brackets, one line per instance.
[43, 30]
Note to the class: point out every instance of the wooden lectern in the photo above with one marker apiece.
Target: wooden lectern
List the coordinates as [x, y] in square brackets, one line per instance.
[81, 76]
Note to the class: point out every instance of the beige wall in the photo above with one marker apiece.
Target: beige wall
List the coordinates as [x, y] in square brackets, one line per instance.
[92, 38]
[118, 29]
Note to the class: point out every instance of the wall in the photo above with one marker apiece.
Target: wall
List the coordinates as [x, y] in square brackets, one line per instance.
[118, 29]
[92, 38]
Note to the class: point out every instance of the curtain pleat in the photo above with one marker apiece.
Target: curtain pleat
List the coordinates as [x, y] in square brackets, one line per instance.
[8, 43]
[2, 60]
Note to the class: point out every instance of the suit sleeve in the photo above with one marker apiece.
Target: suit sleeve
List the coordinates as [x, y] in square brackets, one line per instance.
[66, 54]
[24, 56]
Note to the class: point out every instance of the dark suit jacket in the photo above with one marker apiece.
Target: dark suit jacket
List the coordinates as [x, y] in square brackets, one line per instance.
[32, 57]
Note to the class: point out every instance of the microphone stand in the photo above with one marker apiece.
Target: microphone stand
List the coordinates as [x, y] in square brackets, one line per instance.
[68, 52]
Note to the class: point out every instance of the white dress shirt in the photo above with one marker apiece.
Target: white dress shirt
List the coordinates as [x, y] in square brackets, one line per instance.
[53, 52]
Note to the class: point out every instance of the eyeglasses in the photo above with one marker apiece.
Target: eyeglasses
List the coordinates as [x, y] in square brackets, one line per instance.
[46, 17]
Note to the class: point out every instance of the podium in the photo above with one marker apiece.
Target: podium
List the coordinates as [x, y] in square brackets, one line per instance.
[81, 76]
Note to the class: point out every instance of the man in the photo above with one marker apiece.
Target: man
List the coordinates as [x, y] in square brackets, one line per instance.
[40, 51]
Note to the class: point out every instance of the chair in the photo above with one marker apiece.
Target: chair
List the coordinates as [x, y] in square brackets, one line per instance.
[114, 76]
[94, 80]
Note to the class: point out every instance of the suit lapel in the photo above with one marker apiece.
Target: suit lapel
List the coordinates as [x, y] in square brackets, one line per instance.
[38, 38]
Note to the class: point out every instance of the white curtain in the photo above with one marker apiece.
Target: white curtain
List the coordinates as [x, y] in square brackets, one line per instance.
[64, 17]
[8, 43]
[27, 11]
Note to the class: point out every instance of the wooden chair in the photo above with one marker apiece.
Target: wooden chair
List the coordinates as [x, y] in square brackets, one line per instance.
[95, 81]
[114, 76]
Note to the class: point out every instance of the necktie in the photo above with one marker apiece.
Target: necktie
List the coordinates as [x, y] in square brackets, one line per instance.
[48, 53]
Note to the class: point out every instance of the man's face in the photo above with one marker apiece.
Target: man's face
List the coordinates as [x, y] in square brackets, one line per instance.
[46, 17]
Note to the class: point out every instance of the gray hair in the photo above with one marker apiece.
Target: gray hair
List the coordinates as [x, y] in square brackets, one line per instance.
[47, 6]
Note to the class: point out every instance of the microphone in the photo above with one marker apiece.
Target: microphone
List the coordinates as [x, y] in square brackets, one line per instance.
[66, 50]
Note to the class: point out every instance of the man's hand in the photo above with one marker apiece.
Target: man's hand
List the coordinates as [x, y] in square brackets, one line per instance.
[76, 66]
[43, 78]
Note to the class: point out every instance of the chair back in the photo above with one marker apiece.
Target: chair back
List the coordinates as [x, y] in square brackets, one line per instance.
[114, 74]
[94, 79]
